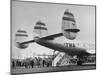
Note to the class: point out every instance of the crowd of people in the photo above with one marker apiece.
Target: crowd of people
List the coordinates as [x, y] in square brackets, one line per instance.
[32, 62]
[39, 62]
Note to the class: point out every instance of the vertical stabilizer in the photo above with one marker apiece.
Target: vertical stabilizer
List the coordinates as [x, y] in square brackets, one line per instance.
[40, 29]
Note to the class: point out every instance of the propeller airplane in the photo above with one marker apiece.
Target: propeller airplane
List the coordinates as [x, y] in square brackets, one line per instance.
[69, 31]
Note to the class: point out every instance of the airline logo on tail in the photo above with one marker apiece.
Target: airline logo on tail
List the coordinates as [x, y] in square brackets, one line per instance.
[40, 29]
[21, 36]
[69, 28]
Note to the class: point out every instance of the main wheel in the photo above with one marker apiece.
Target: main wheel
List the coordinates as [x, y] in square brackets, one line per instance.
[79, 63]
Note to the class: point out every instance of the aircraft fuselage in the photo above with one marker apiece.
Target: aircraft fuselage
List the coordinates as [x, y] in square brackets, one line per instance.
[59, 47]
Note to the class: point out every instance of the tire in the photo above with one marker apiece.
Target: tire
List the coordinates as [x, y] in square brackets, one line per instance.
[79, 63]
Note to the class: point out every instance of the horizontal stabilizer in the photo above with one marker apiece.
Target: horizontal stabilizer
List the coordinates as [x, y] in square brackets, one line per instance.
[52, 37]
[26, 42]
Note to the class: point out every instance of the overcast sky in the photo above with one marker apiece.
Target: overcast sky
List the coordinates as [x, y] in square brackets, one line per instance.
[26, 14]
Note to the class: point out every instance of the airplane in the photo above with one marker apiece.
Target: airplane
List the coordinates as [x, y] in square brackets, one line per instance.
[69, 31]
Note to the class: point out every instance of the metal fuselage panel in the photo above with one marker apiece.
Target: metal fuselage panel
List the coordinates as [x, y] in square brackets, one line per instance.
[59, 47]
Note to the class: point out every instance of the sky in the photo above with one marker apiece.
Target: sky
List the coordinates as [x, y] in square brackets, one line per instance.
[26, 14]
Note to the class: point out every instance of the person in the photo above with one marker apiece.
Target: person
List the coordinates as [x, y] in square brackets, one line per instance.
[44, 63]
[32, 63]
[13, 64]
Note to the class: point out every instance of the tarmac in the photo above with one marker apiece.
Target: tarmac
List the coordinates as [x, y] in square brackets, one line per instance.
[52, 69]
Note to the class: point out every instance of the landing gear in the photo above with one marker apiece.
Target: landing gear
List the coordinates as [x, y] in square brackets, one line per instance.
[79, 63]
